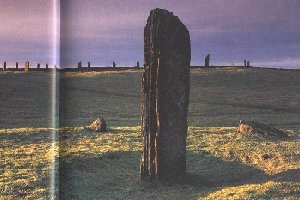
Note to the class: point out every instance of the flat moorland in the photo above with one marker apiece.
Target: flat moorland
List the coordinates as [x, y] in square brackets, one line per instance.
[220, 164]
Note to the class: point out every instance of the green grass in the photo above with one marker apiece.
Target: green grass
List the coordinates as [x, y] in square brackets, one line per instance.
[25, 99]
[219, 97]
[220, 165]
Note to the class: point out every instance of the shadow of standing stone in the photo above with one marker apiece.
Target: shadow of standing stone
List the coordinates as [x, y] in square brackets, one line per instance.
[165, 96]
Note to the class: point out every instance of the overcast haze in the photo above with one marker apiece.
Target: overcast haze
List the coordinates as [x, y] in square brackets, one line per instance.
[265, 32]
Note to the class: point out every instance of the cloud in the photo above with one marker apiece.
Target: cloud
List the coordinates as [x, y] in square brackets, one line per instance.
[26, 30]
[101, 30]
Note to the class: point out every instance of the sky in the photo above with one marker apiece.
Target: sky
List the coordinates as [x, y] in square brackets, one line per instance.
[267, 33]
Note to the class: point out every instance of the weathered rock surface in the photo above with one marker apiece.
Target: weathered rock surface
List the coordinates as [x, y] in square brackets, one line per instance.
[99, 125]
[165, 95]
[252, 127]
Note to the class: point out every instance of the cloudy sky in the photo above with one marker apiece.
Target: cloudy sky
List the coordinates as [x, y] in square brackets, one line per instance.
[101, 31]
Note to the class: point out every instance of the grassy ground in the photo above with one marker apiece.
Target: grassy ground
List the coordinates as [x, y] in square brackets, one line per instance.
[25, 99]
[220, 165]
[219, 97]
[106, 166]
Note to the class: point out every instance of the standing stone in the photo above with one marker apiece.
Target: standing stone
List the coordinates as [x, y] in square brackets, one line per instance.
[114, 64]
[248, 63]
[137, 64]
[165, 96]
[17, 65]
[206, 60]
[47, 66]
[89, 66]
[80, 66]
[38, 66]
[245, 63]
[4, 66]
[26, 67]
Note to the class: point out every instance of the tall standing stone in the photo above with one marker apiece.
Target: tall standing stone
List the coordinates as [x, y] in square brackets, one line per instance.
[38, 66]
[4, 66]
[17, 65]
[165, 96]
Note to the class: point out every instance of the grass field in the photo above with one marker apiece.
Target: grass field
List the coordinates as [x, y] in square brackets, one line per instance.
[220, 165]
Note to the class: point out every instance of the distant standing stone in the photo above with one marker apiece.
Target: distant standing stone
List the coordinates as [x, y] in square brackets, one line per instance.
[26, 67]
[114, 64]
[4, 66]
[137, 64]
[17, 65]
[206, 60]
[165, 96]
[99, 125]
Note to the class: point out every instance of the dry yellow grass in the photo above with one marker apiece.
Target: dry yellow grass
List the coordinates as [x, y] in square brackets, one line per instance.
[26, 157]
[225, 166]
[97, 73]
[268, 190]
[267, 154]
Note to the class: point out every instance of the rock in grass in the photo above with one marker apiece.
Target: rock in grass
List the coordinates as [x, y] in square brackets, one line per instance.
[99, 125]
[252, 127]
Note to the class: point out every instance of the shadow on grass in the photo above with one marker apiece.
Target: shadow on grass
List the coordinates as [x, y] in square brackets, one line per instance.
[292, 175]
[115, 175]
[203, 169]
[35, 137]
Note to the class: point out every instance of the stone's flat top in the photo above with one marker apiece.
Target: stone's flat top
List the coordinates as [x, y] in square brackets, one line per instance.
[168, 25]
[159, 11]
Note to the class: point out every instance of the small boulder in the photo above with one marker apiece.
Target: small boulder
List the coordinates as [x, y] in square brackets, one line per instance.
[252, 127]
[99, 125]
